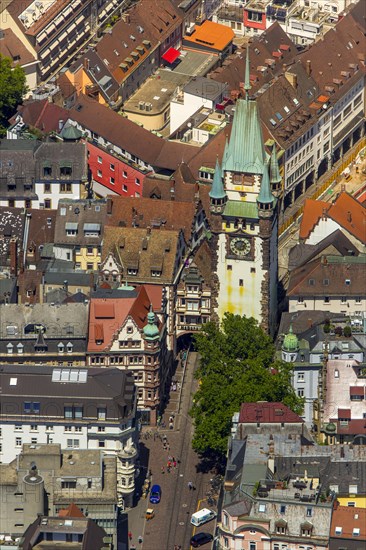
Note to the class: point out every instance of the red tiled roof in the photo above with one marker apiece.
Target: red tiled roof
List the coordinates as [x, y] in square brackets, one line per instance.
[354, 427]
[104, 310]
[350, 214]
[71, 512]
[348, 518]
[43, 115]
[313, 211]
[268, 413]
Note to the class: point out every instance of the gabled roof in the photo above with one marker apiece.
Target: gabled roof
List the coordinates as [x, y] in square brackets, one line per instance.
[346, 211]
[267, 413]
[350, 214]
[129, 136]
[313, 211]
[11, 46]
[345, 520]
[42, 115]
[329, 276]
[107, 316]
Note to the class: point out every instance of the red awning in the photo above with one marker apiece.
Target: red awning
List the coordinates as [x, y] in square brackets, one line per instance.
[171, 55]
[344, 414]
[357, 390]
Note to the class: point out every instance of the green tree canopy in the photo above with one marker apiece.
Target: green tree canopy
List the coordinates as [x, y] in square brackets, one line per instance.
[12, 89]
[236, 366]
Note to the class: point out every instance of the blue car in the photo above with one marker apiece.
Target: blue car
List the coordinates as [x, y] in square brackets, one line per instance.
[155, 494]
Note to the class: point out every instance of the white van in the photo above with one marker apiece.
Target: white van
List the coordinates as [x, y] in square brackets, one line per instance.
[202, 516]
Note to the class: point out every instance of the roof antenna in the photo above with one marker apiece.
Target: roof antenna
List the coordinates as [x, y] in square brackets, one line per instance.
[247, 85]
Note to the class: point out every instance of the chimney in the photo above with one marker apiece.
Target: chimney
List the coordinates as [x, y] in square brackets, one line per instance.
[324, 214]
[148, 230]
[109, 206]
[66, 285]
[349, 216]
[86, 63]
[172, 191]
[308, 67]
[60, 125]
[13, 250]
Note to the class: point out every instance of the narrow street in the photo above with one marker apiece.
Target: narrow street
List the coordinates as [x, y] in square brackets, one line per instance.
[171, 524]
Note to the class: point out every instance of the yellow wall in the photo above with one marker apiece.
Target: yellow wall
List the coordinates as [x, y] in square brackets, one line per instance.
[360, 501]
[149, 121]
[84, 258]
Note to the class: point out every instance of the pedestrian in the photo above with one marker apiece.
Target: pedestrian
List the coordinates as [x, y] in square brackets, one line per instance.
[190, 485]
[169, 464]
[162, 470]
[150, 473]
[174, 464]
[130, 536]
[170, 458]
[168, 447]
[171, 426]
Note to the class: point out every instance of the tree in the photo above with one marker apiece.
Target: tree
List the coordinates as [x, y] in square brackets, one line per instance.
[12, 89]
[236, 366]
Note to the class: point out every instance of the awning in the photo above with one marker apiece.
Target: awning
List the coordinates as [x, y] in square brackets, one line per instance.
[357, 390]
[344, 414]
[171, 55]
[71, 226]
[91, 226]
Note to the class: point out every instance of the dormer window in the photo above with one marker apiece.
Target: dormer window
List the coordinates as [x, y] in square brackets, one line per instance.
[65, 170]
[131, 271]
[60, 347]
[69, 347]
[9, 347]
[71, 229]
[47, 170]
[91, 229]
[20, 348]
[155, 273]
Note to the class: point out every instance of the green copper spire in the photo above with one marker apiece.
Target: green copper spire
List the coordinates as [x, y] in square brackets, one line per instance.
[151, 331]
[217, 189]
[275, 171]
[247, 85]
[291, 341]
[265, 195]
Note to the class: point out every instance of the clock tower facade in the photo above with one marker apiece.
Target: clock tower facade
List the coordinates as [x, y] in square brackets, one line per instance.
[246, 244]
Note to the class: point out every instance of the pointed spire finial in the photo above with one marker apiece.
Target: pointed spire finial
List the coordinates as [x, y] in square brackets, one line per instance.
[247, 85]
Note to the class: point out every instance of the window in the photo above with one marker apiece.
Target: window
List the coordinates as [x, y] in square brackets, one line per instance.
[47, 171]
[300, 392]
[338, 530]
[351, 504]
[356, 532]
[31, 407]
[252, 269]
[137, 181]
[262, 508]
[78, 428]
[326, 299]
[47, 203]
[65, 188]
[100, 160]
[280, 529]
[309, 512]
[241, 282]
[124, 188]
[111, 166]
[353, 489]
[111, 180]
[336, 373]
[18, 441]
[65, 171]
[47, 188]
[229, 267]
[73, 443]
[124, 174]
[102, 413]
[34, 427]
[300, 376]
[101, 428]
[282, 509]
[33, 441]
[252, 545]
[68, 484]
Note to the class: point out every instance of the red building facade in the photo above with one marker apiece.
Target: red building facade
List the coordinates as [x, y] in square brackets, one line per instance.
[254, 18]
[113, 175]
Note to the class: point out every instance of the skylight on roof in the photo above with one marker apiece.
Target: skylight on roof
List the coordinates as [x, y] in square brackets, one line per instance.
[13, 381]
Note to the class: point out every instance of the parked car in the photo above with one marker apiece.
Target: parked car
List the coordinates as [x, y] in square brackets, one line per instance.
[201, 538]
[155, 494]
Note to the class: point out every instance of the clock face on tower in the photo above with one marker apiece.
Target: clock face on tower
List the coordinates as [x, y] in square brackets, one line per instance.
[240, 246]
